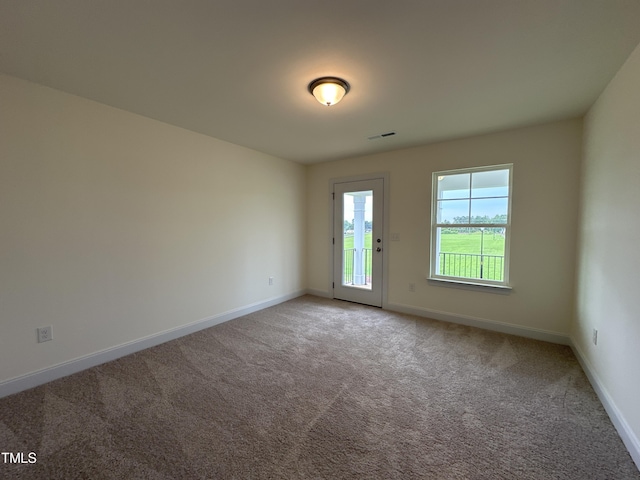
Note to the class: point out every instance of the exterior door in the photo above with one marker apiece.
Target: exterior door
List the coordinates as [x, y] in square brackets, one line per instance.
[357, 241]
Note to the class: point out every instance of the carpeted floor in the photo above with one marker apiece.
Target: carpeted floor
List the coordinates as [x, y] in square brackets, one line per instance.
[321, 389]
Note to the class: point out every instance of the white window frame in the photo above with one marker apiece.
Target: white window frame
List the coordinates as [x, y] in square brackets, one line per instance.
[434, 257]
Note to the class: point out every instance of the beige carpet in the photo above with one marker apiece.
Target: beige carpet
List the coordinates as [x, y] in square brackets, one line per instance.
[321, 389]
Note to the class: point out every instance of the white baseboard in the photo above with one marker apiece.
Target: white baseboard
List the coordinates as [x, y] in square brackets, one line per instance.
[319, 293]
[629, 438]
[483, 323]
[30, 380]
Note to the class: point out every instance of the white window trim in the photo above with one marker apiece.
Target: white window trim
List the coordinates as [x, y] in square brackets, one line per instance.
[462, 281]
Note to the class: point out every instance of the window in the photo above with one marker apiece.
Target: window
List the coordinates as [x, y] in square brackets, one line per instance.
[470, 225]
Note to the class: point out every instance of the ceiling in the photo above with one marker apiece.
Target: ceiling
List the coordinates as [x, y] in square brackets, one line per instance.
[238, 70]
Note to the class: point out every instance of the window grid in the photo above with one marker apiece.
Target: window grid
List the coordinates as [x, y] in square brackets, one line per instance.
[475, 268]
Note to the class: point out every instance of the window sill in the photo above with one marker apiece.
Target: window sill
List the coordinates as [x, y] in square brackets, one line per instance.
[470, 285]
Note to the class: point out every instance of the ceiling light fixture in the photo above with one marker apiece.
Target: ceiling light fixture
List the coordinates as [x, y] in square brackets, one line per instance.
[328, 90]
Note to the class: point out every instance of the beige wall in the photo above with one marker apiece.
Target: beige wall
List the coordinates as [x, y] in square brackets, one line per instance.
[608, 281]
[545, 201]
[115, 227]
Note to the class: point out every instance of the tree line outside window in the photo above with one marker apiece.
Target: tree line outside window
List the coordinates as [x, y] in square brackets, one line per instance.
[464, 220]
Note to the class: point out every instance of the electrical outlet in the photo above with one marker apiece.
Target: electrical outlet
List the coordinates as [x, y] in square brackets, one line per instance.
[270, 280]
[45, 334]
[412, 287]
[595, 336]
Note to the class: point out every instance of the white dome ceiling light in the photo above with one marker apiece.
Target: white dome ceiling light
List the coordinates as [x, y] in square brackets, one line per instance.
[329, 90]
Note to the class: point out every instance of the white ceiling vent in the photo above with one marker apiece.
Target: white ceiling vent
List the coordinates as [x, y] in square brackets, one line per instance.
[382, 135]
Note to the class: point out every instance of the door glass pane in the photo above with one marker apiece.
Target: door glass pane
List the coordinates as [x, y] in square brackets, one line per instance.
[358, 226]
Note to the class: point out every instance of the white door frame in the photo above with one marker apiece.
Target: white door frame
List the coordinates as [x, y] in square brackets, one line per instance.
[385, 227]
